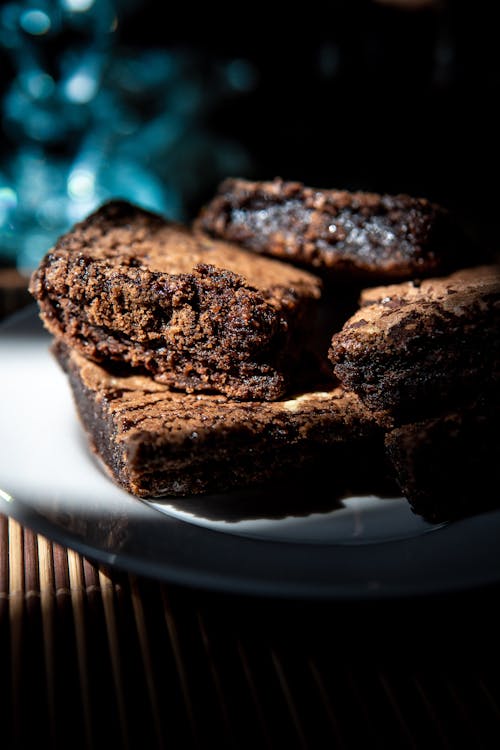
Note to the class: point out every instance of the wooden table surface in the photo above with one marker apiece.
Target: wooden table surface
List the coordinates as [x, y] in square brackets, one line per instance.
[92, 657]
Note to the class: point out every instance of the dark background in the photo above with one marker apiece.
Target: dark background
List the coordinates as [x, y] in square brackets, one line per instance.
[357, 95]
[362, 95]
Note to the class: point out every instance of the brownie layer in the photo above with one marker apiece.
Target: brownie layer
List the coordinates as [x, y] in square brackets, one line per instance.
[413, 348]
[127, 286]
[448, 466]
[157, 442]
[355, 234]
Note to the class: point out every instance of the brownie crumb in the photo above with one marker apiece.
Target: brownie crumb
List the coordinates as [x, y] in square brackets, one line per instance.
[127, 286]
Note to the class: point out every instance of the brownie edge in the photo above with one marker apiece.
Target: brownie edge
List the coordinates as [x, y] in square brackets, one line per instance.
[448, 466]
[415, 349]
[157, 442]
[341, 233]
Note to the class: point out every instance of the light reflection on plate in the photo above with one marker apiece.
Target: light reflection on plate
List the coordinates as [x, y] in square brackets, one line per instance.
[368, 519]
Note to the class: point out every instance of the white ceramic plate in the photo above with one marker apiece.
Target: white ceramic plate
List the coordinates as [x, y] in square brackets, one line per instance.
[297, 541]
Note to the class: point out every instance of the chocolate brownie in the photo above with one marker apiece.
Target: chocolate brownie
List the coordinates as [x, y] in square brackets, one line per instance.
[155, 441]
[448, 466]
[414, 347]
[349, 234]
[126, 285]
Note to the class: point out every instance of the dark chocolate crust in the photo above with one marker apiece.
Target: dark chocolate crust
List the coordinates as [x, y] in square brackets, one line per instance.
[157, 442]
[358, 234]
[448, 466]
[125, 285]
[414, 348]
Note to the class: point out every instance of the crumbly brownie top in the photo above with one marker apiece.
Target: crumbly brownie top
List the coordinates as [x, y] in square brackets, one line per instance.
[144, 405]
[124, 236]
[351, 233]
[414, 346]
[383, 307]
[157, 442]
[128, 286]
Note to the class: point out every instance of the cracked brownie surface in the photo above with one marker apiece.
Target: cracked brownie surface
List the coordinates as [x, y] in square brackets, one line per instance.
[414, 347]
[155, 441]
[350, 234]
[127, 286]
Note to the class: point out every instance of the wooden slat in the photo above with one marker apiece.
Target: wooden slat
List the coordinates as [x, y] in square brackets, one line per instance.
[355, 684]
[289, 699]
[395, 704]
[16, 613]
[254, 693]
[77, 598]
[108, 601]
[173, 632]
[61, 577]
[467, 723]
[142, 633]
[31, 577]
[488, 697]
[47, 604]
[4, 567]
[440, 733]
[216, 681]
[319, 683]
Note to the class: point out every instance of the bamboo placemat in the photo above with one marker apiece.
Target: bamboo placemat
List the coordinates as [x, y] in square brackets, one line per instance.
[97, 658]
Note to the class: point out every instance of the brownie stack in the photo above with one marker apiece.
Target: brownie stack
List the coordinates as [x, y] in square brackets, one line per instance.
[428, 354]
[200, 363]
[188, 356]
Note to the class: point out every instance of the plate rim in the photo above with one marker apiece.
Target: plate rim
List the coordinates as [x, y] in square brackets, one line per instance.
[201, 577]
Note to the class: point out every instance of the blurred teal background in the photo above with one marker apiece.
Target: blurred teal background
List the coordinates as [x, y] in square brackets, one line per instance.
[88, 116]
[156, 103]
